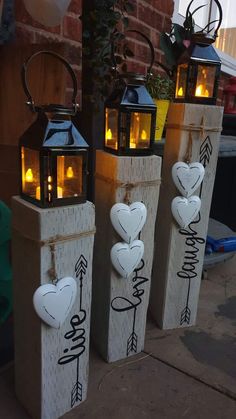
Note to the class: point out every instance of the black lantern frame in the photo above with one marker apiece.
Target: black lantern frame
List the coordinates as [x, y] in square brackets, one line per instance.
[53, 154]
[198, 68]
[130, 113]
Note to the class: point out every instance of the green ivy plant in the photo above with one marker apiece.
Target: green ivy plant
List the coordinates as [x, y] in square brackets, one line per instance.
[100, 29]
[160, 87]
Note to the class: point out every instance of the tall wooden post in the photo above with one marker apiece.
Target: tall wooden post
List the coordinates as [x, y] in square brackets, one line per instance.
[179, 253]
[51, 365]
[120, 305]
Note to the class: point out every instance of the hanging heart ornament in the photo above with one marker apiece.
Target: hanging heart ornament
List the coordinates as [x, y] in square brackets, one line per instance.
[185, 210]
[47, 12]
[128, 220]
[125, 257]
[187, 177]
[53, 303]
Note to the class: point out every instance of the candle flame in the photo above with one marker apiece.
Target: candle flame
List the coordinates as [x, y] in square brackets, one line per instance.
[109, 134]
[201, 91]
[29, 175]
[143, 135]
[70, 172]
[180, 91]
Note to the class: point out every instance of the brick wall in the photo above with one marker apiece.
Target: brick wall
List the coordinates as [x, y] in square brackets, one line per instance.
[150, 17]
[69, 32]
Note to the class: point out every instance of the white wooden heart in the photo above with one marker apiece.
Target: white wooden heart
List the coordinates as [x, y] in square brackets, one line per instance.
[128, 220]
[53, 303]
[47, 12]
[126, 257]
[185, 210]
[187, 177]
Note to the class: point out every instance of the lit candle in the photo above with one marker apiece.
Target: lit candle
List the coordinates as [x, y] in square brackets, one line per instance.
[29, 176]
[59, 192]
[132, 143]
[199, 90]
[109, 134]
[143, 135]
[180, 91]
[70, 172]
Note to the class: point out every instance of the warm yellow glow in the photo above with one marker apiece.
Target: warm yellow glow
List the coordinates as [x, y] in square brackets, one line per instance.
[143, 135]
[201, 91]
[70, 172]
[29, 176]
[59, 191]
[180, 91]
[109, 134]
[132, 143]
[49, 179]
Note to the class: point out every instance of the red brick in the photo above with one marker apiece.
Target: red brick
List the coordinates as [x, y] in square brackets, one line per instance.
[46, 37]
[73, 53]
[24, 35]
[72, 28]
[142, 53]
[75, 7]
[150, 17]
[139, 26]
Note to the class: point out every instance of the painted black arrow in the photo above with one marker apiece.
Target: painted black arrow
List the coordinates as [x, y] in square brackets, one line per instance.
[206, 151]
[132, 343]
[81, 267]
[185, 315]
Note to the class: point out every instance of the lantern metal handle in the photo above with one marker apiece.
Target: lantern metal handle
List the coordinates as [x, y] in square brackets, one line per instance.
[113, 58]
[59, 109]
[220, 16]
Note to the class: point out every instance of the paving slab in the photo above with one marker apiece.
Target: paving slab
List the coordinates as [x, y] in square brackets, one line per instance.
[208, 350]
[188, 372]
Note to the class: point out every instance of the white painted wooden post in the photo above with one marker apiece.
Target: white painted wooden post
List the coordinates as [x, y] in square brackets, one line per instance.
[120, 305]
[179, 253]
[51, 365]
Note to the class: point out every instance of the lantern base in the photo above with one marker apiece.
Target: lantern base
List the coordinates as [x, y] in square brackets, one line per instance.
[130, 152]
[197, 100]
[60, 202]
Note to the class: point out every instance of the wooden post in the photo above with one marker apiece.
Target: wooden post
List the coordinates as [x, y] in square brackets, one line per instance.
[120, 305]
[179, 253]
[45, 384]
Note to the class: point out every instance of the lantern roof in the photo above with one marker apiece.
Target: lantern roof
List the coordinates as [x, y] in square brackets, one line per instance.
[55, 133]
[130, 95]
[200, 52]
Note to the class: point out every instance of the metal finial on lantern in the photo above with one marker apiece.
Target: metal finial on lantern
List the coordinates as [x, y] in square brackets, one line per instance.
[53, 154]
[130, 112]
[198, 68]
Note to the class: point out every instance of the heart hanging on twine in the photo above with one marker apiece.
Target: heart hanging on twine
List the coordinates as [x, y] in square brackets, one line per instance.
[187, 177]
[185, 210]
[53, 303]
[125, 258]
[128, 220]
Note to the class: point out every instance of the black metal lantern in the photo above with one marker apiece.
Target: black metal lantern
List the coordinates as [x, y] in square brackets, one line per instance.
[130, 113]
[53, 154]
[198, 69]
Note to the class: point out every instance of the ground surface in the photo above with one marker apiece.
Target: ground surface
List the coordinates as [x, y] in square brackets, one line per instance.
[183, 373]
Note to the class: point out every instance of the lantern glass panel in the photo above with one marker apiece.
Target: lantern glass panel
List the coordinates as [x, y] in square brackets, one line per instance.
[69, 176]
[140, 128]
[112, 128]
[30, 172]
[181, 81]
[205, 81]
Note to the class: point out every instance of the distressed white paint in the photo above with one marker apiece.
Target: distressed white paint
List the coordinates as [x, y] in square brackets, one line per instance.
[187, 177]
[43, 385]
[126, 257]
[53, 303]
[128, 220]
[170, 281]
[185, 210]
[111, 329]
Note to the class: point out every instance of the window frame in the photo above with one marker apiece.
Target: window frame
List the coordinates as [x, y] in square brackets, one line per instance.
[228, 63]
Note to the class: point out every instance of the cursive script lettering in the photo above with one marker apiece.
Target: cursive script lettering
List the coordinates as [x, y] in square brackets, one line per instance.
[76, 339]
[190, 257]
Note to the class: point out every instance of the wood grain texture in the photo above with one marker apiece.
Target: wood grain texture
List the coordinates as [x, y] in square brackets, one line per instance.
[111, 329]
[42, 385]
[178, 258]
